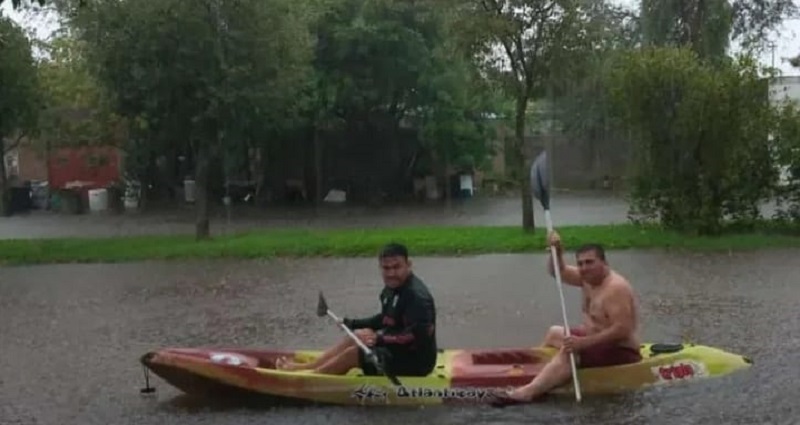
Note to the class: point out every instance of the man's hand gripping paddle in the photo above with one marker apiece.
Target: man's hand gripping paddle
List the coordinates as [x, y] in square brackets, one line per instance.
[322, 310]
[540, 185]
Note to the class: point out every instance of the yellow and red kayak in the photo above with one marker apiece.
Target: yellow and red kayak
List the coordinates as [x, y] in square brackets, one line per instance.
[461, 375]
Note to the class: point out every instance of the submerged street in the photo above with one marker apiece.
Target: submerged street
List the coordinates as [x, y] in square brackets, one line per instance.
[72, 334]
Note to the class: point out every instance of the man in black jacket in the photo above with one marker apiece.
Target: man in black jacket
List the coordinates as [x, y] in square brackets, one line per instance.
[403, 334]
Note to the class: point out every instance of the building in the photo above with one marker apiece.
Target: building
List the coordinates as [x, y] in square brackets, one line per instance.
[781, 90]
[786, 88]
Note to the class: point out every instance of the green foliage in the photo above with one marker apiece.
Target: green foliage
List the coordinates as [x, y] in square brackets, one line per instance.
[787, 158]
[76, 108]
[19, 86]
[754, 20]
[701, 132]
[371, 54]
[199, 76]
[520, 44]
[580, 95]
[704, 26]
[456, 106]
[709, 26]
[189, 70]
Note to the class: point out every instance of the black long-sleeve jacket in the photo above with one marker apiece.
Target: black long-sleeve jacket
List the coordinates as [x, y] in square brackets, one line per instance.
[407, 321]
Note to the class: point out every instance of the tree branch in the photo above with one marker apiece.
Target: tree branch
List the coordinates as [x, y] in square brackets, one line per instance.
[8, 147]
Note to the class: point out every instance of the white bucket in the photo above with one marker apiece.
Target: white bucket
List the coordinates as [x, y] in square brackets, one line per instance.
[466, 184]
[98, 200]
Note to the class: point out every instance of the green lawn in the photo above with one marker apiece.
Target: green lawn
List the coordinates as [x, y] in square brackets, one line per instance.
[366, 242]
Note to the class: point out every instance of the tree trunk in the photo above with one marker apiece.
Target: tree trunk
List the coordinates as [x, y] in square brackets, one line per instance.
[5, 194]
[319, 189]
[521, 165]
[447, 194]
[201, 171]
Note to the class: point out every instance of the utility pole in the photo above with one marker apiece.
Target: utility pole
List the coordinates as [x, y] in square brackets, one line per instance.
[771, 46]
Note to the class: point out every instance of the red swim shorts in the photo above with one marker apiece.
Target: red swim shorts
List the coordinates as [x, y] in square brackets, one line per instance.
[603, 355]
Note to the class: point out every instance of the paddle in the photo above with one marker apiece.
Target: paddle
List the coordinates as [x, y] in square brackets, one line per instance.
[540, 185]
[322, 310]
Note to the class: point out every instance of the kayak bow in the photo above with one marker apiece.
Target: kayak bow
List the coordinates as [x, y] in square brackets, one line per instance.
[461, 375]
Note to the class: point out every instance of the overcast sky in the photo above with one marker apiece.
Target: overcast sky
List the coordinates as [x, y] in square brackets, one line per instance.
[786, 45]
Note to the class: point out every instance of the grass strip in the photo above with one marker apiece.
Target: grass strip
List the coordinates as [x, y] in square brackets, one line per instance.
[450, 241]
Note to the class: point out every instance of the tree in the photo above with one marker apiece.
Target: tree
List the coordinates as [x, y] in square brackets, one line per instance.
[534, 36]
[16, 4]
[786, 141]
[76, 108]
[580, 101]
[372, 59]
[184, 72]
[703, 25]
[701, 154]
[454, 117]
[19, 95]
[708, 26]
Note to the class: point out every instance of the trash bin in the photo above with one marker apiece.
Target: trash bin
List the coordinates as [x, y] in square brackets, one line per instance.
[71, 201]
[20, 199]
[115, 202]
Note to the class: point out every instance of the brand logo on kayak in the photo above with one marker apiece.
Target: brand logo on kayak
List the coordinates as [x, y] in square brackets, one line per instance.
[369, 393]
[679, 370]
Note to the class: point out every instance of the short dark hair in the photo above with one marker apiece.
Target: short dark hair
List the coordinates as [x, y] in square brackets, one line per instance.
[394, 249]
[596, 247]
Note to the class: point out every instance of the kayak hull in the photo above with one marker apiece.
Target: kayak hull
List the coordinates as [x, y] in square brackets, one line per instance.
[462, 376]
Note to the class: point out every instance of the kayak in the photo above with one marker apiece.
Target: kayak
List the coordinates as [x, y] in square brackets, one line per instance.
[461, 375]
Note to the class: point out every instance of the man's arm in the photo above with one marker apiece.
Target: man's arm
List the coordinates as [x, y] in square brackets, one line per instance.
[373, 322]
[569, 274]
[419, 322]
[621, 317]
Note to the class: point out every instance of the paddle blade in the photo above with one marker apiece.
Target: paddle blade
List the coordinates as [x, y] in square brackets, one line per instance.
[322, 305]
[540, 180]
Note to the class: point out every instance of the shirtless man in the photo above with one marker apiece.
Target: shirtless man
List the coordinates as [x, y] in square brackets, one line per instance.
[608, 335]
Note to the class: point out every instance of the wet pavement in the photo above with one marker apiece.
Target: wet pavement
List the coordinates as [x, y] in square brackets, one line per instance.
[569, 208]
[71, 334]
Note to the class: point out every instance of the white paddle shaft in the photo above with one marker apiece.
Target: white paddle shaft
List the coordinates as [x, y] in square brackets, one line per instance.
[557, 273]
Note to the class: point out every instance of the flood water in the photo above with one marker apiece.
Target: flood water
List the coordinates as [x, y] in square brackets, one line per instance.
[71, 334]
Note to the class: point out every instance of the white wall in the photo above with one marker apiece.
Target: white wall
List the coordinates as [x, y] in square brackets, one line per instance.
[785, 88]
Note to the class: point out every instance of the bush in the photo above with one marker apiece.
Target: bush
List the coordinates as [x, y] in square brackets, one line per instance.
[701, 152]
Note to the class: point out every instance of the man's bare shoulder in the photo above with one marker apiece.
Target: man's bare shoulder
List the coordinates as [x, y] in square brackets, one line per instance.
[619, 284]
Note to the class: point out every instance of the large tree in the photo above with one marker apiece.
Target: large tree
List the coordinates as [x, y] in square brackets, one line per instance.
[380, 65]
[19, 95]
[76, 108]
[185, 72]
[534, 48]
[456, 116]
[520, 43]
[709, 26]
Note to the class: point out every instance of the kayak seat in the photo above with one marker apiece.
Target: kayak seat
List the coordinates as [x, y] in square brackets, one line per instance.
[503, 357]
[663, 348]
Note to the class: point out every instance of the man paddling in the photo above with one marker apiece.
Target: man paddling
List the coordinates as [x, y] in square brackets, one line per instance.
[403, 333]
[608, 335]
